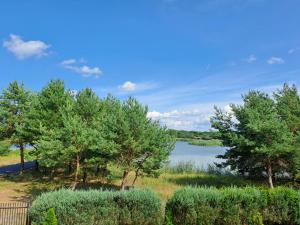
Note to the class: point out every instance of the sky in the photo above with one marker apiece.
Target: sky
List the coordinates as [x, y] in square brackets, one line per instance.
[179, 57]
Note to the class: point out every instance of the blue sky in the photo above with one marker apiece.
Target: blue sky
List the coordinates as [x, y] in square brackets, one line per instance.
[180, 57]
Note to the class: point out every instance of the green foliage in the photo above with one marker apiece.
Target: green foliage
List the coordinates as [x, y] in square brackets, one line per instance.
[203, 135]
[168, 218]
[211, 142]
[288, 106]
[83, 132]
[136, 207]
[14, 104]
[183, 167]
[142, 144]
[210, 206]
[4, 147]
[50, 218]
[258, 138]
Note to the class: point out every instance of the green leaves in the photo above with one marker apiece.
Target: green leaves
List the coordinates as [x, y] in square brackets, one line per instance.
[234, 206]
[50, 218]
[258, 137]
[14, 105]
[94, 207]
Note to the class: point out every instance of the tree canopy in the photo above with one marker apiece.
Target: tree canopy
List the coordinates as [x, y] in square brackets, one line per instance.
[81, 133]
[15, 101]
[259, 133]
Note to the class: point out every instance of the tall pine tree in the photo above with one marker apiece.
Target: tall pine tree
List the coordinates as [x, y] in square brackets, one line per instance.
[15, 101]
[259, 140]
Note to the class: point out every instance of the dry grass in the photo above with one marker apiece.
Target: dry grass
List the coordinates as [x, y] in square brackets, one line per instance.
[11, 158]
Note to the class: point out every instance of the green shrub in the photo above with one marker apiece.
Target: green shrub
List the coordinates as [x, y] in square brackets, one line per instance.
[50, 218]
[133, 207]
[234, 206]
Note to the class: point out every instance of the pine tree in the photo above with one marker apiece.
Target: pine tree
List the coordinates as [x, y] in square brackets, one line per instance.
[15, 101]
[288, 106]
[142, 144]
[258, 139]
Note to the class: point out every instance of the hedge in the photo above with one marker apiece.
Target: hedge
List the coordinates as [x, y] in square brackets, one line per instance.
[133, 207]
[234, 206]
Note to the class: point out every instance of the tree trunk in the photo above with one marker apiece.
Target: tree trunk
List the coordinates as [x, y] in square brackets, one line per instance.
[97, 170]
[77, 171]
[70, 168]
[136, 176]
[22, 158]
[36, 165]
[84, 178]
[270, 174]
[125, 174]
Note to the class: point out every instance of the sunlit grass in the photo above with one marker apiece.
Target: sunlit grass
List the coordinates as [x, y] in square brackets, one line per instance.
[32, 183]
[11, 158]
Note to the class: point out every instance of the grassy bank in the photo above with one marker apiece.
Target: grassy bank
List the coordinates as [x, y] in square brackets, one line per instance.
[202, 142]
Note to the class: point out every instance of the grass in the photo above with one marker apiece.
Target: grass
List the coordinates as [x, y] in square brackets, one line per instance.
[202, 142]
[12, 157]
[29, 185]
[32, 183]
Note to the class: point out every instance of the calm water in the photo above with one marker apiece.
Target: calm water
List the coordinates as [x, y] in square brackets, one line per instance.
[200, 155]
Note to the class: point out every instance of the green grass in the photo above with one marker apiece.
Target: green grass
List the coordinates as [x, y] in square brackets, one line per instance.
[211, 142]
[202, 142]
[32, 183]
[11, 158]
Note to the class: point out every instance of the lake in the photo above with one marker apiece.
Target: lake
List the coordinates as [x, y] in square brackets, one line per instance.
[202, 156]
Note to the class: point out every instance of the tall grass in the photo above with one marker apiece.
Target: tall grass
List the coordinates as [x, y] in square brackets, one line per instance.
[191, 167]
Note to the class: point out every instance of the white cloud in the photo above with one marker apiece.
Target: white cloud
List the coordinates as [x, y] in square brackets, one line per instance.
[251, 59]
[88, 71]
[293, 50]
[275, 60]
[193, 118]
[75, 66]
[128, 86]
[25, 49]
[183, 120]
[68, 62]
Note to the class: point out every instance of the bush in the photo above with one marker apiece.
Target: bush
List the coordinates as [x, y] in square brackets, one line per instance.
[133, 207]
[50, 218]
[236, 206]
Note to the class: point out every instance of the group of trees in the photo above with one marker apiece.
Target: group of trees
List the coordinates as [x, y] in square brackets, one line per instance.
[81, 132]
[263, 134]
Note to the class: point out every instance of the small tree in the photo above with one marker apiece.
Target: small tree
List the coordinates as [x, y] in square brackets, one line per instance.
[14, 102]
[258, 139]
[50, 218]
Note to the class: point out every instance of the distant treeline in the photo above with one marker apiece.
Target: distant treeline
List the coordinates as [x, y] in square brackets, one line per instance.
[203, 135]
